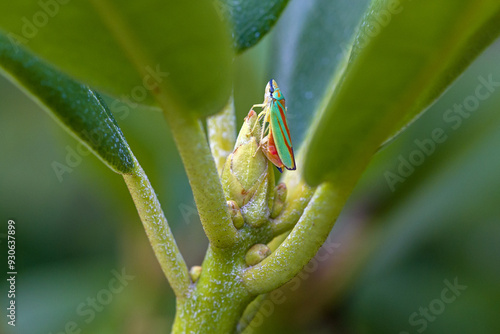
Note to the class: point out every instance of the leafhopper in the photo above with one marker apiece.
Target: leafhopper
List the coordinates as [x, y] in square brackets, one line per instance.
[275, 140]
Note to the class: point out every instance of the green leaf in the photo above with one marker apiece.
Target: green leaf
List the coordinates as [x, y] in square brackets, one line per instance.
[441, 222]
[302, 63]
[131, 49]
[80, 110]
[406, 54]
[250, 19]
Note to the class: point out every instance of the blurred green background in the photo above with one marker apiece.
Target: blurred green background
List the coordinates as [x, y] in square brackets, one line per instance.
[394, 247]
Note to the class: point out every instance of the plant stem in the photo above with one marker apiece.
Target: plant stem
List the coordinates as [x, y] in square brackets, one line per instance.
[157, 229]
[302, 244]
[203, 177]
[222, 134]
[219, 297]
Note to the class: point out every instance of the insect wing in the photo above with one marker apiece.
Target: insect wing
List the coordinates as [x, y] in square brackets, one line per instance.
[281, 133]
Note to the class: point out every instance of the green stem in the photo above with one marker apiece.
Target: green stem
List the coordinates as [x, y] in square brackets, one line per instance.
[157, 229]
[219, 297]
[277, 241]
[203, 177]
[302, 244]
[222, 134]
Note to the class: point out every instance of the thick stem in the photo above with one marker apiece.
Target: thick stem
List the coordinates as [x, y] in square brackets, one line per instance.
[219, 298]
[203, 178]
[157, 229]
[303, 242]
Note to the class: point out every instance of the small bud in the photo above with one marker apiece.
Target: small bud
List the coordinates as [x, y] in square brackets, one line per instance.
[248, 177]
[246, 167]
[236, 216]
[279, 199]
[195, 273]
[257, 210]
[256, 254]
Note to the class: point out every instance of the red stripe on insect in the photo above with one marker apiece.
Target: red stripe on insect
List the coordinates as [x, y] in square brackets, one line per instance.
[286, 141]
[283, 117]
